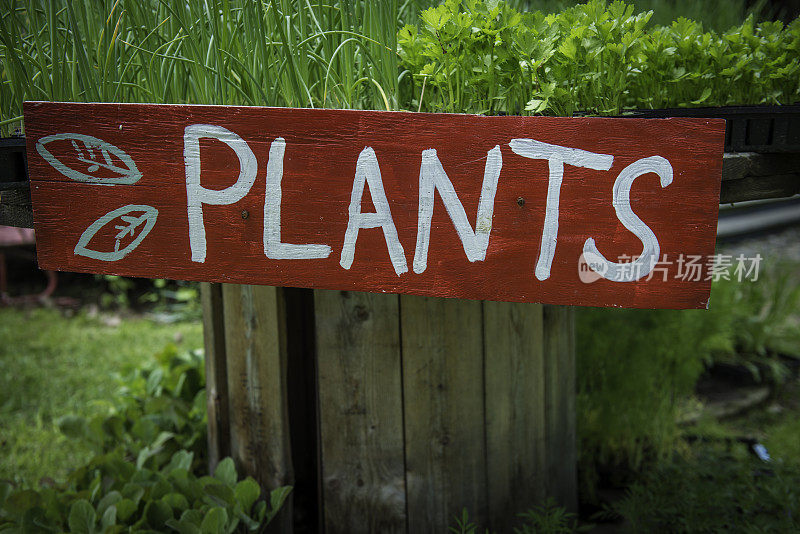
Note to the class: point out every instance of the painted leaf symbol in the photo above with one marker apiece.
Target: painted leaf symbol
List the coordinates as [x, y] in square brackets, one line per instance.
[93, 154]
[147, 219]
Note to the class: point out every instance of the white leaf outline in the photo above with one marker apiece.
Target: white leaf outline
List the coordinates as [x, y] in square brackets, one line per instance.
[148, 217]
[128, 176]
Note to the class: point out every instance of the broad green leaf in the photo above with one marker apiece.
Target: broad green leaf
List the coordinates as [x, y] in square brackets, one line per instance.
[82, 517]
[214, 522]
[703, 97]
[183, 526]
[125, 509]
[219, 494]
[226, 472]
[247, 492]
[109, 517]
[109, 499]
[536, 106]
[276, 499]
[157, 513]
[177, 501]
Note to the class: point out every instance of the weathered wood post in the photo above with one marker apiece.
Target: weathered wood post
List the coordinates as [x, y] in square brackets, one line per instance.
[425, 406]
[388, 410]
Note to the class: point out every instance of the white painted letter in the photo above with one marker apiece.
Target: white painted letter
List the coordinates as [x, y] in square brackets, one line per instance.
[431, 177]
[368, 171]
[641, 266]
[556, 157]
[273, 248]
[197, 195]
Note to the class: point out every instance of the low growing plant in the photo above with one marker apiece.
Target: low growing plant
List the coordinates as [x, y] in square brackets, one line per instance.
[635, 368]
[711, 489]
[148, 474]
[548, 518]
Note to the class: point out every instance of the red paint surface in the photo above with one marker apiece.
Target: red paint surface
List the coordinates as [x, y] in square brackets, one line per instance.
[321, 153]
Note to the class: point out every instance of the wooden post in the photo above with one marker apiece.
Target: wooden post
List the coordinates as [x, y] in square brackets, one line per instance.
[216, 374]
[515, 409]
[425, 406]
[444, 410]
[361, 412]
[256, 352]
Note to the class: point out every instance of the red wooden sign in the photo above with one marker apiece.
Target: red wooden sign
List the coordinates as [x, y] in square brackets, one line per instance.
[586, 211]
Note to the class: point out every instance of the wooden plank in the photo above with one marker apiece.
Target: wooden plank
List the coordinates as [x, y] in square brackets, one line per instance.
[255, 346]
[497, 208]
[361, 412]
[515, 410]
[443, 391]
[16, 209]
[739, 165]
[752, 176]
[560, 433]
[216, 374]
[760, 187]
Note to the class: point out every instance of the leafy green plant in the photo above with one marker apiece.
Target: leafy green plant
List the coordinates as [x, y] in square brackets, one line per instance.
[116, 496]
[599, 58]
[718, 15]
[54, 362]
[548, 518]
[463, 525]
[653, 359]
[160, 410]
[117, 291]
[148, 472]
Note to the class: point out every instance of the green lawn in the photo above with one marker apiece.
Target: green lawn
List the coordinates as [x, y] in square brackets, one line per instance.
[52, 365]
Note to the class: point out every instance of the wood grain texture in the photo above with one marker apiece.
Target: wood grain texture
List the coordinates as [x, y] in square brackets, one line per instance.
[515, 410]
[322, 147]
[560, 430]
[752, 176]
[16, 209]
[255, 346]
[443, 390]
[361, 412]
[738, 165]
[216, 364]
[760, 188]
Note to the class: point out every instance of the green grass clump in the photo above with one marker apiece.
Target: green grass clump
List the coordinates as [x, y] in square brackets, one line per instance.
[653, 358]
[714, 489]
[52, 366]
[273, 53]
[635, 368]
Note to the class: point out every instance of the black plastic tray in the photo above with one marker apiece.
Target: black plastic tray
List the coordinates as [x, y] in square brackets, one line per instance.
[749, 128]
[13, 164]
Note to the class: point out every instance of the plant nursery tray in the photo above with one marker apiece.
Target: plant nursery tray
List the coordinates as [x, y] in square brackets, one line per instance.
[13, 167]
[767, 129]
